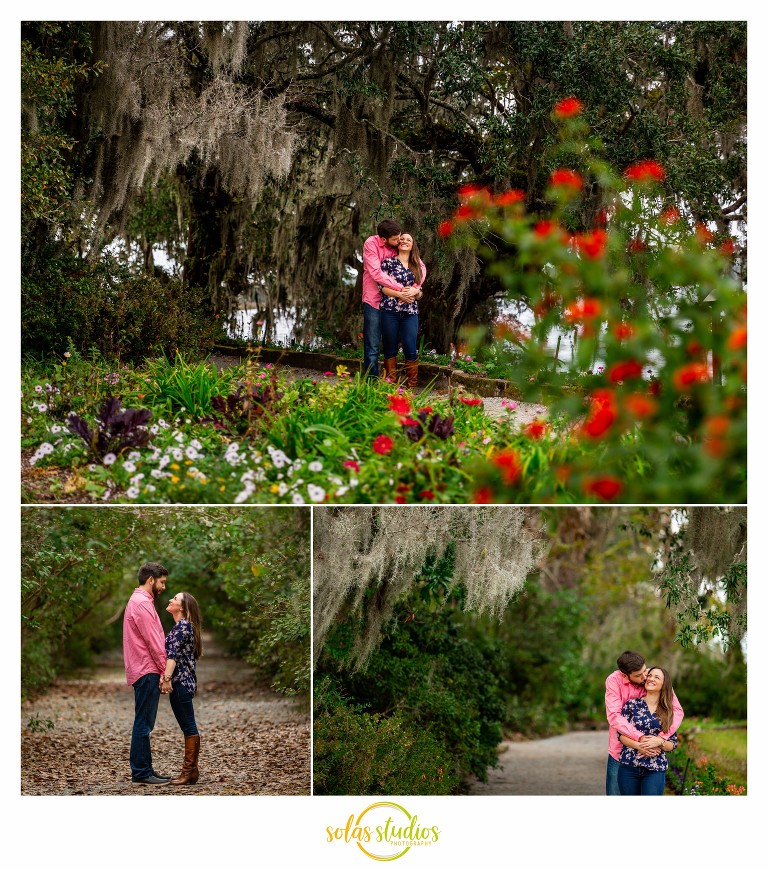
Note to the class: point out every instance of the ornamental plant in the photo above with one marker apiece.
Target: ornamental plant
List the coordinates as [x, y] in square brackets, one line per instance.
[653, 402]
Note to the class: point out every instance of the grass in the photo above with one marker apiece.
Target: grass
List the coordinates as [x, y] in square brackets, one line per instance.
[726, 748]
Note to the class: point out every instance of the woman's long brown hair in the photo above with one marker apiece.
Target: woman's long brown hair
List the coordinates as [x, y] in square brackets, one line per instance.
[414, 260]
[191, 611]
[664, 709]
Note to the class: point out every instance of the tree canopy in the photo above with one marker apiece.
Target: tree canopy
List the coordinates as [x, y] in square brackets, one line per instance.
[260, 155]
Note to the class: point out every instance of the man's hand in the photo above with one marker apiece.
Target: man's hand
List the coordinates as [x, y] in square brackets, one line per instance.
[409, 294]
[649, 741]
[648, 752]
[165, 687]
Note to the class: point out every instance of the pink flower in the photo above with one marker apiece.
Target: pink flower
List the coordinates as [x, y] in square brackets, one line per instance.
[470, 401]
[355, 466]
[328, 374]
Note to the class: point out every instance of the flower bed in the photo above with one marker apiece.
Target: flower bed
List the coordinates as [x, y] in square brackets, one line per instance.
[177, 432]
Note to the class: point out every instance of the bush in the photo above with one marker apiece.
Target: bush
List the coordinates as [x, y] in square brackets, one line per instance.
[105, 306]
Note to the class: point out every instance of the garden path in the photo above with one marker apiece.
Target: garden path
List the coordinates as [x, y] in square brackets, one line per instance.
[569, 764]
[253, 741]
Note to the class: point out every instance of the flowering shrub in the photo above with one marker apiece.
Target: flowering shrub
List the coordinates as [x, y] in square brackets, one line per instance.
[693, 774]
[659, 325]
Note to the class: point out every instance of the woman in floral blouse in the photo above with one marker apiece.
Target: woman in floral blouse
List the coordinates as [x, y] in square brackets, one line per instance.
[643, 774]
[183, 646]
[399, 312]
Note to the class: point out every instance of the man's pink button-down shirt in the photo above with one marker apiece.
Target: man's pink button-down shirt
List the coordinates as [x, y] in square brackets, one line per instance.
[375, 250]
[618, 690]
[143, 637]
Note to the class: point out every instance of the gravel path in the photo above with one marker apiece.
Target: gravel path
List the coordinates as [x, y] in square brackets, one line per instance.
[569, 764]
[253, 741]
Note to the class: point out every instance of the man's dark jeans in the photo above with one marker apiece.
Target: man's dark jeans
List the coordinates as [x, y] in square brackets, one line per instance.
[181, 704]
[371, 340]
[146, 694]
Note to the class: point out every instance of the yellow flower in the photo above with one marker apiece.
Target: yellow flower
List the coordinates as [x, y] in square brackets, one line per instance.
[174, 478]
[222, 488]
[188, 462]
[274, 489]
[175, 466]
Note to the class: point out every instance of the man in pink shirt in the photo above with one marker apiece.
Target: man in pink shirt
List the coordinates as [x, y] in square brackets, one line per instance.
[625, 683]
[144, 655]
[375, 249]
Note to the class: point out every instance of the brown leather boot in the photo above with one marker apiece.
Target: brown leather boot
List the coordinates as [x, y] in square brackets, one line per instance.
[412, 372]
[390, 368]
[189, 772]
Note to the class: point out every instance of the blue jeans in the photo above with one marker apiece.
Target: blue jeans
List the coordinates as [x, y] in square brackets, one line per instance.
[183, 710]
[640, 780]
[396, 327]
[146, 695]
[612, 777]
[371, 340]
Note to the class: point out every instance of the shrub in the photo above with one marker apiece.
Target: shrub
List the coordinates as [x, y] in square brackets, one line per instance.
[107, 307]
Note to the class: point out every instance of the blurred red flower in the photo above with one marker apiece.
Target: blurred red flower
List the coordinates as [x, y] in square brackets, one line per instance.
[566, 178]
[509, 197]
[382, 444]
[509, 463]
[568, 108]
[606, 488]
[624, 370]
[445, 229]
[690, 374]
[645, 171]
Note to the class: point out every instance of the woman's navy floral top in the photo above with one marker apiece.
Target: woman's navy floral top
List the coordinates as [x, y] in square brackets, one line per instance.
[636, 711]
[403, 275]
[180, 646]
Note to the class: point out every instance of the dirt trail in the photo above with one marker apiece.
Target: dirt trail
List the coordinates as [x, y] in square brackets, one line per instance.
[253, 741]
[569, 764]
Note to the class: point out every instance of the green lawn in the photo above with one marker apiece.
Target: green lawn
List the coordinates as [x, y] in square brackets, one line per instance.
[726, 749]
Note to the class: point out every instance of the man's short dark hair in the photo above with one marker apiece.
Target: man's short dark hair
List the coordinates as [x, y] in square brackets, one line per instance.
[629, 662]
[151, 569]
[388, 228]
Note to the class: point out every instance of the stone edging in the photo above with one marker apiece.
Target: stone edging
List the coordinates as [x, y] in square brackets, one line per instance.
[443, 377]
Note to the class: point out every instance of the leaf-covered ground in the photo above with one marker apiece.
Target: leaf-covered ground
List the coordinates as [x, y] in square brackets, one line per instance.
[253, 741]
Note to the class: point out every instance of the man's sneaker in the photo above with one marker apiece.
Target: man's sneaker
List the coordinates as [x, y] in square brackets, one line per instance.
[153, 780]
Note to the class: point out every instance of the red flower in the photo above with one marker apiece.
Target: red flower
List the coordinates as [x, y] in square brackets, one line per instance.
[568, 108]
[399, 404]
[592, 244]
[645, 171]
[426, 494]
[728, 248]
[427, 409]
[445, 229]
[669, 216]
[602, 413]
[467, 191]
[509, 197]
[624, 370]
[566, 178]
[509, 463]
[382, 445]
[544, 229]
[465, 212]
[640, 405]
[350, 463]
[470, 401]
[690, 374]
[328, 374]
[623, 330]
[714, 442]
[584, 309]
[704, 234]
[738, 338]
[401, 499]
[637, 246]
[536, 429]
[606, 488]
[484, 495]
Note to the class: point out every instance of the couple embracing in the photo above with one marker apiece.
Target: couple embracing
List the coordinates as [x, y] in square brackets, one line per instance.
[644, 715]
[393, 274]
[158, 665]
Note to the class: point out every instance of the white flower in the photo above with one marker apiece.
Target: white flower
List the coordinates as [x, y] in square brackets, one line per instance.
[191, 452]
[154, 428]
[38, 388]
[278, 457]
[150, 488]
[92, 467]
[177, 453]
[45, 448]
[29, 419]
[129, 467]
[315, 466]
[282, 488]
[353, 481]
[107, 494]
[296, 498]
[242, 496]
[136, 478]
[162, 424]
[179, 436]
[164, 460]
[55, 428]
[316, 493]
[132, 492]
[109, 459]
[341, 490]
[42, 407]
[134, 455]
[157, 474]
[196, 444]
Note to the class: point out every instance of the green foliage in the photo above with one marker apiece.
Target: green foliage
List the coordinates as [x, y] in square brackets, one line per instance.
[39, 726]
[692, 773]
[181, 387]
[426, 681]
[249, 571]
[356, 752]
[654, 302]
[105, 306]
